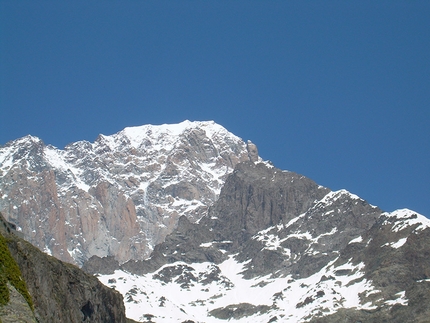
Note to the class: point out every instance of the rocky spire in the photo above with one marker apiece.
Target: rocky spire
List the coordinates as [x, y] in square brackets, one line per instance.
[252, 151]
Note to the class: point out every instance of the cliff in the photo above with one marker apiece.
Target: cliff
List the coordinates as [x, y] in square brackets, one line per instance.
[120, 195]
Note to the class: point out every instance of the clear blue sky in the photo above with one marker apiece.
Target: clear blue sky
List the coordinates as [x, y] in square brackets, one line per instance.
[338, 91]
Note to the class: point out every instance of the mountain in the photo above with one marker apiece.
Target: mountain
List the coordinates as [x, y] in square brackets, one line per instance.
[277, 247]
[118, 196]
[189, 224]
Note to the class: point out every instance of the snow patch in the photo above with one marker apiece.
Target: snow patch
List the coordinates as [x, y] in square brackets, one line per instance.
[404, 218]
[332, 196]
[356, 240]
[401, 299]
[397, 244]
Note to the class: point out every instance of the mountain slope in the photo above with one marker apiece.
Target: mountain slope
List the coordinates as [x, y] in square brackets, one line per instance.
[53, 291]
[120, 195]
[278, 247]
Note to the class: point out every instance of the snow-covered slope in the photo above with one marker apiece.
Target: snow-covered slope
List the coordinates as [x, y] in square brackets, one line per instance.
[190, 295]
[276, 247]
[314, 267]
[119, 195]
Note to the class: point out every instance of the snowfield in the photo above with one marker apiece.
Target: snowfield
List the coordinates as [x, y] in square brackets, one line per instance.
[189, 295]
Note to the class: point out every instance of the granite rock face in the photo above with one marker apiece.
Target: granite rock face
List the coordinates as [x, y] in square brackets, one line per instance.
[257, 196]
[15, 302]
[119, 196]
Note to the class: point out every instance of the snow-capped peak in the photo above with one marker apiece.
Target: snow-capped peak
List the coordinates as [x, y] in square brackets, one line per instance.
[137, 135]
[159, 171]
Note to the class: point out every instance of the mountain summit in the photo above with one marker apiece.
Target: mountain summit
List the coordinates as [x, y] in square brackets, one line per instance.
[118, 196]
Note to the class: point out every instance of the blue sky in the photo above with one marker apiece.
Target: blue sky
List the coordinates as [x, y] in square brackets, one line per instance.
[338, 91]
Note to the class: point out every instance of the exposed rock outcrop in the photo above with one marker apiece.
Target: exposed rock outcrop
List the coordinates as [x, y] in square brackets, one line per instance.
[400, 273]
[60, 292]
[258, 196]
[119, 196]
[104, 266]
[17, 310]
[252, 151]
[16, 304]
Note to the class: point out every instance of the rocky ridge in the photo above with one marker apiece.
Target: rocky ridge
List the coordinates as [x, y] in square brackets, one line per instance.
[118, 196]
[57, 292]
[278, 247]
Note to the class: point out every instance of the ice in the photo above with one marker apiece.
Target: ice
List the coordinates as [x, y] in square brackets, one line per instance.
[294, 220]
[330, 197]
[138, 134]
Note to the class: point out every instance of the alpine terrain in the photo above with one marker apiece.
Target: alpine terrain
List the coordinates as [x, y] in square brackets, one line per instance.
[189, 224]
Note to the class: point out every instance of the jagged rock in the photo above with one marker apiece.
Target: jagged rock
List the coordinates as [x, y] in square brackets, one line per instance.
[238, 311]
[62, 292]
[256, 197]
[276, 246]
[15, 302]
[391, 269]
[119, 196]
[184, 244]
[252, 151]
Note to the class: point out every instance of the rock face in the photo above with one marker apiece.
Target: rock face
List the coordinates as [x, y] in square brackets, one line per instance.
[276, 246]
[252, 151]
[16, 304]
[60, 292]
[395, 252]
[118, 196]
[17, 310]
[258, 201]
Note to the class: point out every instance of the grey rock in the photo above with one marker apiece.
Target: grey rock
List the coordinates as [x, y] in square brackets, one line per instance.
[60, 292]
[252, 151]
[102, 266]
[238, 311]
[256, 197]
[17, 310]
[317, 227]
